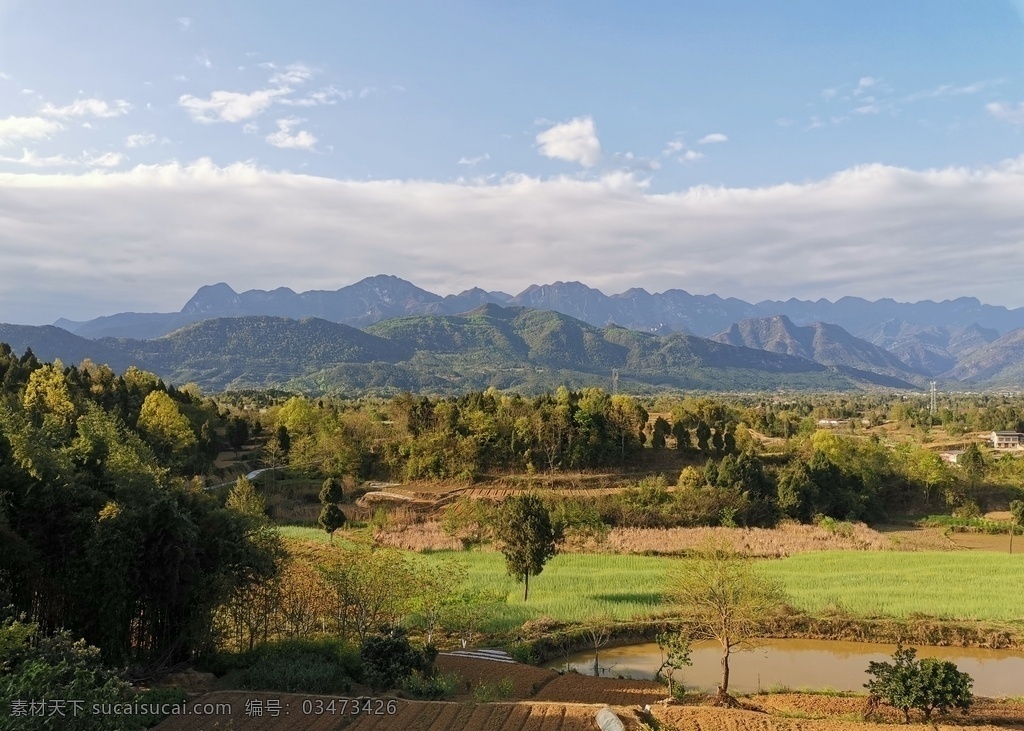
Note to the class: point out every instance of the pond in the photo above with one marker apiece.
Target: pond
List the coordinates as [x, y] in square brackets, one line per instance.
[802, 664]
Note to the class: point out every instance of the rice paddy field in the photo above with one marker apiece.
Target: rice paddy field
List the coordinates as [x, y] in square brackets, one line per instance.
[960, 585]
[948, 585]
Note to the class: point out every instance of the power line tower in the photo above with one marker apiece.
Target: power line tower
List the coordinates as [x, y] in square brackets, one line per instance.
[615, 381]
[933, 408]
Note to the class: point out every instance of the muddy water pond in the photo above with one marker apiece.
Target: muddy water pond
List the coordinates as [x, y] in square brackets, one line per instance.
[802, 664]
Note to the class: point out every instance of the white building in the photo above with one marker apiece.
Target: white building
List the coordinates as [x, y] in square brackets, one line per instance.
[1007, 440]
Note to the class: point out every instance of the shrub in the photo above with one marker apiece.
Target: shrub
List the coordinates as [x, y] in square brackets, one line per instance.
[926, 685]
[433, 687]
[38, 668]
[389, 659]
[302, 665]
[485, 691]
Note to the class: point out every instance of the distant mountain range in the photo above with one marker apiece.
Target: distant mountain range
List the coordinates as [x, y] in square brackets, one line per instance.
[505, 347]
[385, 333]
[820, 342]
[382, 297]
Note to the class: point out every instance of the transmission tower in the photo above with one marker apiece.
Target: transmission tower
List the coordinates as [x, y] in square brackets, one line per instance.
[615, 381]
[933, 406]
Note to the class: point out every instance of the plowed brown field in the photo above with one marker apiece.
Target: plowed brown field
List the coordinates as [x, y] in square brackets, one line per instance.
[409, 716]
[573, 687]
[988, 715]
[527, 679]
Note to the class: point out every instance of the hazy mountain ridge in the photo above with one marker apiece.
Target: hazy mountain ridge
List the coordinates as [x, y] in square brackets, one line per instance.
[382, 297]
[822, 343]
[1000, 362]
[491, 345]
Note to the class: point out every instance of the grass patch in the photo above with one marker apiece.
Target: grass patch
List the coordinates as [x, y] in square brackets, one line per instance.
[971, 586]
[943, 585]
[572, 587]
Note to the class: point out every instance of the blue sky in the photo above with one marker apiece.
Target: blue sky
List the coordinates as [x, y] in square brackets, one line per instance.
[752, 148]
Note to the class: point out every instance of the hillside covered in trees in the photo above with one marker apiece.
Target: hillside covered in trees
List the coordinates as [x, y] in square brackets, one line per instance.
[503, 347]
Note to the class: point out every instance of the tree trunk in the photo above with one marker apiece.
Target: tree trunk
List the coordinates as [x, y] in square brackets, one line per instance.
[1011, 538]
[526, 589]
[723, 689]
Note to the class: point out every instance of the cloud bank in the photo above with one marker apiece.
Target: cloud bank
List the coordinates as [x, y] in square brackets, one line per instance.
[144, 239]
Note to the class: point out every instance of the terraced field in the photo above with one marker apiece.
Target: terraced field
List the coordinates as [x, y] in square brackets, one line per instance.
[408, 716]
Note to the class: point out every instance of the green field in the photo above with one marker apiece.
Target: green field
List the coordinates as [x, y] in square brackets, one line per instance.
[968, 585]
[947, 585]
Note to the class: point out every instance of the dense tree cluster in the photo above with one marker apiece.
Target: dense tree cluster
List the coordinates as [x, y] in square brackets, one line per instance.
[101, 532]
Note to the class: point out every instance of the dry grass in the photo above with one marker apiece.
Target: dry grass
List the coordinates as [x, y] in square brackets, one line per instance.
[418, 537]
[786, 540]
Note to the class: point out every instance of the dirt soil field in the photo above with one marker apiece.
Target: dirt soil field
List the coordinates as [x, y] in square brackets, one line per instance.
[527, 679]
[574, 687]
[812, 712]
[408, 716]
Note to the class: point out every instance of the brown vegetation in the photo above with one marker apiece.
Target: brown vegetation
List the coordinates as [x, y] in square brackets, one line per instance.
[785, 540]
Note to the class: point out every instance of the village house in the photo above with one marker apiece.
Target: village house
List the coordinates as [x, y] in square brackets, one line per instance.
[1007, 440]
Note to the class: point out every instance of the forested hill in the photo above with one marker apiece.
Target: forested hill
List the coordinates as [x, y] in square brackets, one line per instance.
[506, 347]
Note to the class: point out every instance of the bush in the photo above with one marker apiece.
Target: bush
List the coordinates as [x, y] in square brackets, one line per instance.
[38, 668]
[433, 687]
[303, 665]
[389, 660]
[485, 691]
[926, 685]
[158, 696]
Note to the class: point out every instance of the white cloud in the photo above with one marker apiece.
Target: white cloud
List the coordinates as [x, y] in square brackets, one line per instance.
[630, 163]
[472, 161]
[229, 106]
[948, 90]
[87, 108]
[294, 74]
[140, 140]
[283, 138]
[106, 160]
[235, 106]
[327, 95]
[872, 107]
[1003, 111]
[712, 138]
[575, 141]
[26, 128]
[31, 159]
[673, 147]
[203, 59]
[184, 23]
[101, 242]
[250, 128]
[691, 156]
[865, 83]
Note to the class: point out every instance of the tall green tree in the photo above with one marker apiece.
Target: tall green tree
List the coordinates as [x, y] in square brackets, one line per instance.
[527, 536]
[167, 430]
